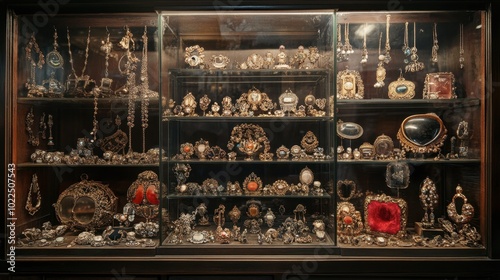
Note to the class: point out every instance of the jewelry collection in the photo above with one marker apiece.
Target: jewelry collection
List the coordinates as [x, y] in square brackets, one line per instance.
[253, 103]
[247, 142]
[251, 185]
[251, 141]
[289, 229]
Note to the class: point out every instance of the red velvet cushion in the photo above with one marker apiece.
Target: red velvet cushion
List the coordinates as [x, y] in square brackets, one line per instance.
[384, 217]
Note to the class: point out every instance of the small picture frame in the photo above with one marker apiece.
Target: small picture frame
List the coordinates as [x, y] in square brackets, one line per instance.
[440, 85]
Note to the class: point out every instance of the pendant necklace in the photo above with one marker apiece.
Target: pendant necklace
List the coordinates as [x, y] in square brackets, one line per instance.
[364, 52]
[33, 89]
[144, 88]
[130, 65]
[414, 65]
[435, 46]
[380, 72]
[77, 83]
[461, 59]
[387, 54]
[106, 82]
[54, 58]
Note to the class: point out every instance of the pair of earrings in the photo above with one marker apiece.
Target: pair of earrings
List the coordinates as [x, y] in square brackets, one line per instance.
[34, 139]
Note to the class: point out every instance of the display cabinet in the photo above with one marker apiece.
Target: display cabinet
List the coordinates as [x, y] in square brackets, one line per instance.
[247, 123]
[358, 142]
[85, 130]
[411, 129]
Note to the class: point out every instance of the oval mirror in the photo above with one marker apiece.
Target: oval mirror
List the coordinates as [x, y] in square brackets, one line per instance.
[422, 133]
[84, 210]
[349, 130]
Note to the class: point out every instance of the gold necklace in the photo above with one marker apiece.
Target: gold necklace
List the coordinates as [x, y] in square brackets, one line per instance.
[74, 81]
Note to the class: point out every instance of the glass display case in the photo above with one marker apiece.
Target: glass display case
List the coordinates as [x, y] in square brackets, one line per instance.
[85, 130]
[247, 125]
[411, 129]
[239, 132]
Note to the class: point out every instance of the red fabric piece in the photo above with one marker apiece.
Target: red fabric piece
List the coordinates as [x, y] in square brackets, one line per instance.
[152, 195]
[139, 194]
[384, 217]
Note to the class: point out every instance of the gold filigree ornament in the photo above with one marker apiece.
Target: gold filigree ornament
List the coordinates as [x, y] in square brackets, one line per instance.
[306, 176]
[194, 56]
[201, 148]
[219, 61]
[349, 222]
[350, 85]
[189, 104]
[422, 133]
[440, 85]
[309, 142]
[467, 209]
[249, 139]
[288, 101]
[144, 194]
[255, 61]
[384, 147]
[279, 187]
[252, 184]
[401, 89]
[86, 205]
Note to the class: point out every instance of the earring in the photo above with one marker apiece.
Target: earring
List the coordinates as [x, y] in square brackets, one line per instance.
[30, 119]
[50, 122]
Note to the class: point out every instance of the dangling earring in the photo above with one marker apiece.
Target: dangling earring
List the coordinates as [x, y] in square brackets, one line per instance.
[30, 119]
[50, 123]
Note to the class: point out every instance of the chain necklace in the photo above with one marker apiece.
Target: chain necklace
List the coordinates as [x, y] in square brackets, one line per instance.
[380, 73]
[106, 82]
[406, 49]
[364, 52]
[54, 58]
[387, 54]
[414, 65]
[343, 50]
[130, 87]
[71, 55]
[340, 46]
[347, 46]
[461, 59]
[95, 123]
[144, 88]
[33, 45]
[435, 46]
